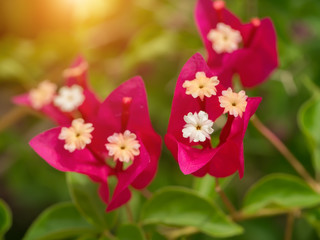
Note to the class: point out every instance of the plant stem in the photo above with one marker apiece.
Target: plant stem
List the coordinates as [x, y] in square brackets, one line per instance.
[129, 213]
[262, 213]
[238, 216]
[174, 234]
[289, 226]
[146, 193]
[225, 199]
[278, 144]
[108, 234]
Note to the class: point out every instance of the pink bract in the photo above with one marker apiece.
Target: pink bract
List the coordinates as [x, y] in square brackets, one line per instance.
[113, 116]
[257, 57]
[220, 161]
[88, 107]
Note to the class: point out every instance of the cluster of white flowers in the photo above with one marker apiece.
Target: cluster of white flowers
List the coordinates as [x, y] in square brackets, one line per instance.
[198, 126]
[77, 136]
[68, 99]
[201, 86]
[122, 146]
[224, 39]
[42, 95]
[233, 103]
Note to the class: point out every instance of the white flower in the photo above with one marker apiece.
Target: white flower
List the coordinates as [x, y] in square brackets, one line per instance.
[201, 86]
[198, 127]
[234, 103]
[224, 38]
[69, 98]
[77, 136]
[42, 95]
[123, 147]
[75, 71]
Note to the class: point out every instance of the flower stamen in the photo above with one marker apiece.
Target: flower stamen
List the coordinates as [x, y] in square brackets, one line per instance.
[255, 23]
[126, 104]
[233, 103]
[77, 136]
[201, 86]
[218, 5]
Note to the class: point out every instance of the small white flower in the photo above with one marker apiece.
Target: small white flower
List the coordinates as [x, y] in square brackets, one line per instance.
[198, 127]
[77, 136]
[75, 71]
[201, 86]
[123, 147]
[234, 103]
[69, 98]
[42, 95]
[224, 38]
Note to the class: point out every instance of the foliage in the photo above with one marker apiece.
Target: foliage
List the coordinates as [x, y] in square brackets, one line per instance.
[5, 218]
[60, 221]
[182, 207]
[280, 191]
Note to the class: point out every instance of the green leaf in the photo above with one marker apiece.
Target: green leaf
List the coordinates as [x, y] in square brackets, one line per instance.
[84, 194]
[313, 217]
[58, 222]
[157, 236]
[205, 186]
[129, 232]
[177, 206]
[104, 238]
[5, 218]
[135, 205]
[280, 191]
[309, 116]
[86, 237]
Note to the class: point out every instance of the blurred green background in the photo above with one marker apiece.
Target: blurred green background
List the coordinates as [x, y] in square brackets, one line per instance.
[151, 38]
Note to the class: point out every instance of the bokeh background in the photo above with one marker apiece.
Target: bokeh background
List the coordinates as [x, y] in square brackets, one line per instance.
[151, 38]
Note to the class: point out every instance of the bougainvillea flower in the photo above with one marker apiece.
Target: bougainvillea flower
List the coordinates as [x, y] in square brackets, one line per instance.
[118, 141]
[70, 101]
[247, 49]
[192, 123]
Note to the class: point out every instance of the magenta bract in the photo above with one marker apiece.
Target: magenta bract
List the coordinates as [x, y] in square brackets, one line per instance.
[115, 115]
[256, 56]
[220, 161]
[76, 74]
